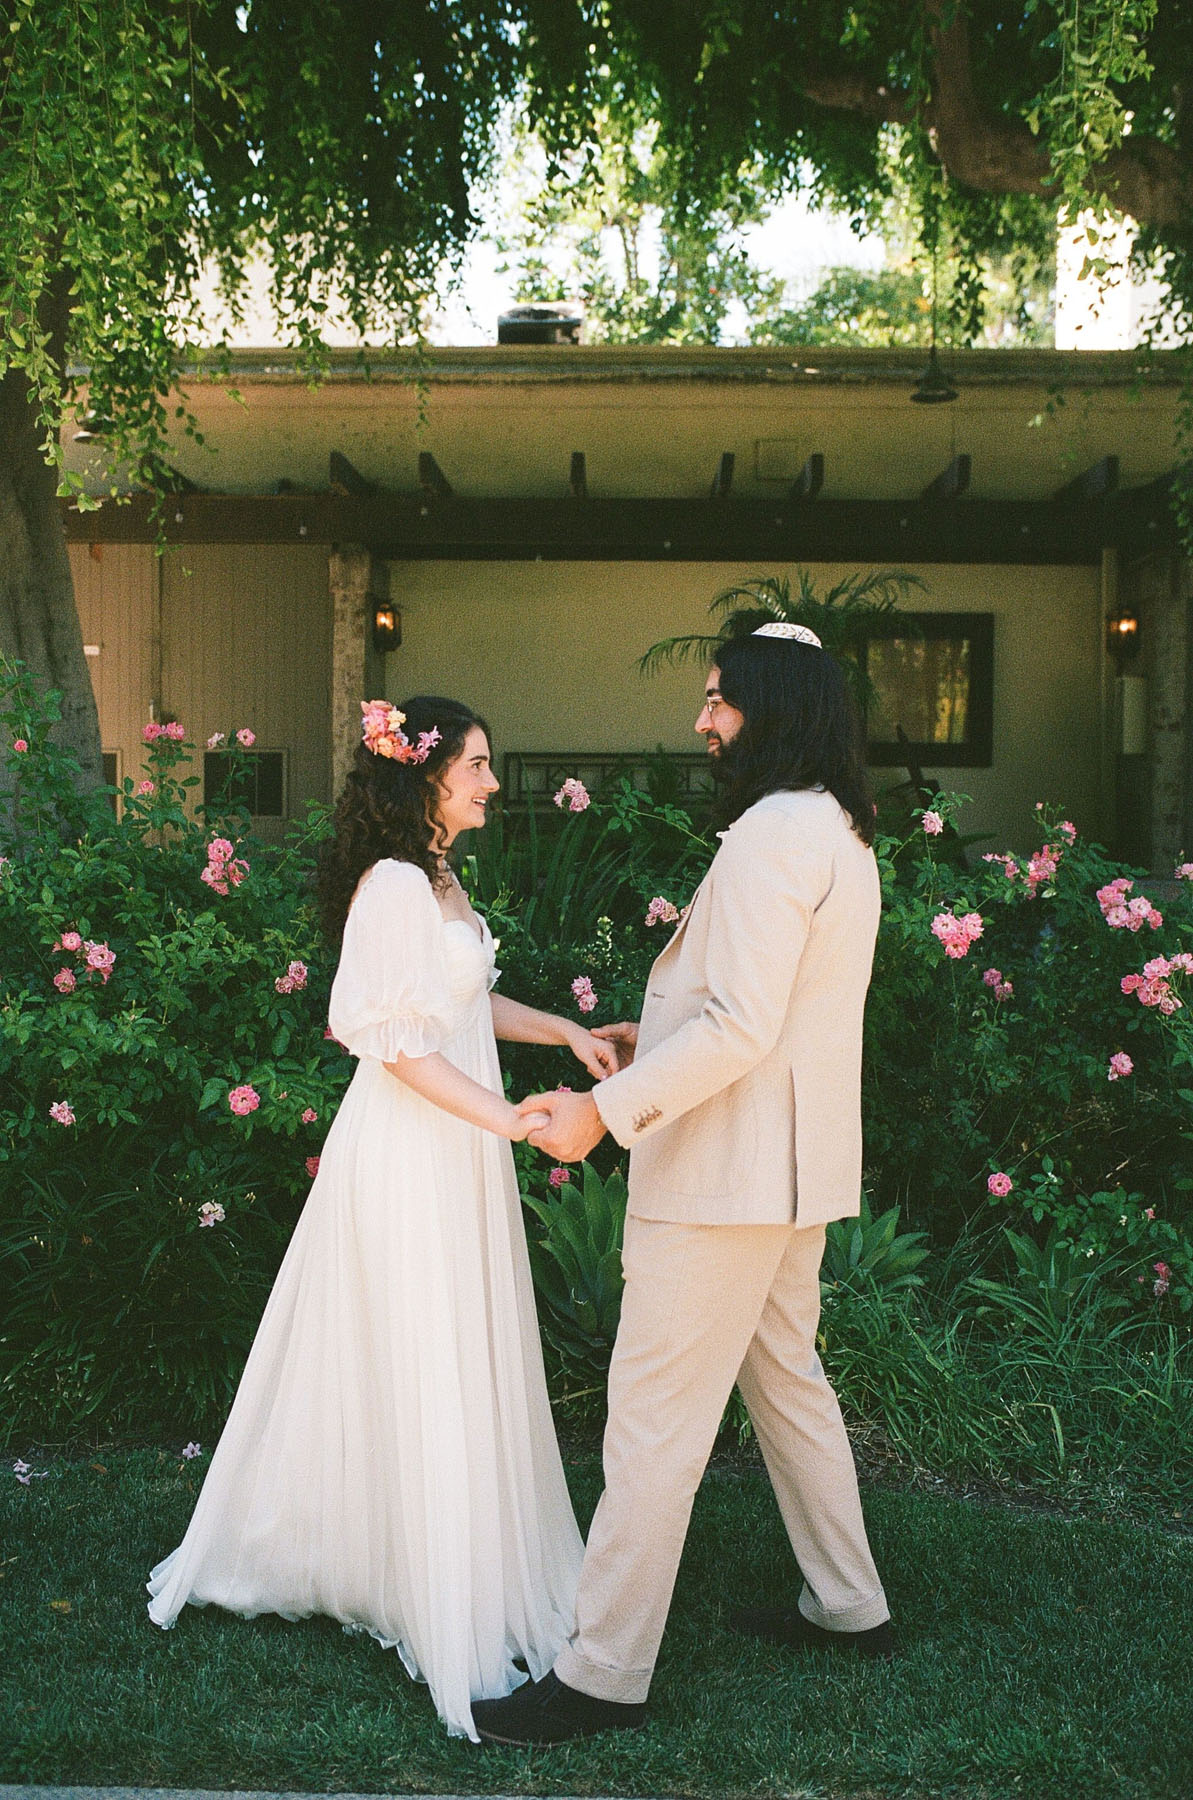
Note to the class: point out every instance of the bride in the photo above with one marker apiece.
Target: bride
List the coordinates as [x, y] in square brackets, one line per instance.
[390, 1458]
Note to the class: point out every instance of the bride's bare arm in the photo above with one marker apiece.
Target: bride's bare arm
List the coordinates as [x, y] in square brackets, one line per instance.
[519, 1024]
[439, 1081]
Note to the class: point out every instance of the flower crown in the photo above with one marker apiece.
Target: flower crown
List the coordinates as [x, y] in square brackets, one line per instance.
[381, 729]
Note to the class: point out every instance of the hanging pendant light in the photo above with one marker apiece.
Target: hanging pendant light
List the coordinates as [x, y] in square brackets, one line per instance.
[934, 386]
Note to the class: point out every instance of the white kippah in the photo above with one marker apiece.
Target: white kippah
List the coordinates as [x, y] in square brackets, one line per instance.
[798, 634]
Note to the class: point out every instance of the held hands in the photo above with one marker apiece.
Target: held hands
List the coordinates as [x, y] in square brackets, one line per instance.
[521, 1124]
[598, 1057]
[571, 1127]
[623, 1037]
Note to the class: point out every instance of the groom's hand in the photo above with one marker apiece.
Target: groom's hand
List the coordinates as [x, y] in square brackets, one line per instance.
[575, 1124]
[624, 1038]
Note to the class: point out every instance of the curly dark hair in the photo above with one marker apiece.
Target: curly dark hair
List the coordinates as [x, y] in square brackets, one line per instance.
[800, 728]
[386, 808]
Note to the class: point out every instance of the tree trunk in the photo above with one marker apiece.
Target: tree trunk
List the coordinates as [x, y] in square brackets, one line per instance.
[38, 619]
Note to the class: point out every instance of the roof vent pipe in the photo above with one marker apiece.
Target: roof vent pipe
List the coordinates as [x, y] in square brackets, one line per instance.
[556, 324]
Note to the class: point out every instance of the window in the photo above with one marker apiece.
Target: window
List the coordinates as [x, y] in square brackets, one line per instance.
[933, 676]
[537, 775]
[259, 784]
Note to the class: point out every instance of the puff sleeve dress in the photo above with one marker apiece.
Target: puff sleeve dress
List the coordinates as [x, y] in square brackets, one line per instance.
[390, 1458]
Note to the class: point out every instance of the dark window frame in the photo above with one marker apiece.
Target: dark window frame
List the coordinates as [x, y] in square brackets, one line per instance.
[977, 749]
[215, 761]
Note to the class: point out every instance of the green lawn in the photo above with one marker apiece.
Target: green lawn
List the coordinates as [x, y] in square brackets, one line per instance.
[1041, 1657]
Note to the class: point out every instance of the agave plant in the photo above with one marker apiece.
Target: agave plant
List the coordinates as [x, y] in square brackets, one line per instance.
[577, 1272]
[866, 1253]
[842, 619]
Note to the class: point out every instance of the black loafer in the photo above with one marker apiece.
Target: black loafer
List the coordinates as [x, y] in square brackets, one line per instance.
[786, 1625]
[548, 1712]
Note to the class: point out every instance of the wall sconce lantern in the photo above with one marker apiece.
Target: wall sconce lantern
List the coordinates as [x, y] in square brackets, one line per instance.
[1122, 636]
[387, 626]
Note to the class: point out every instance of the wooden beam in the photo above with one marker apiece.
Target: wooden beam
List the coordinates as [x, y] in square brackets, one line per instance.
[1100, 479]
[345, 478]
[433, 482]
[810, 479]
[405, 527]
[951, 482]
[723, 479]
[578, 476]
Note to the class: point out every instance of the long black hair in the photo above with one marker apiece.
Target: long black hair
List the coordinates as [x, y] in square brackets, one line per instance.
[387, 808]
[800, 728]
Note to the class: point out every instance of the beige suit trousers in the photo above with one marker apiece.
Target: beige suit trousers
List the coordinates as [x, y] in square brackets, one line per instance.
[705, 1306]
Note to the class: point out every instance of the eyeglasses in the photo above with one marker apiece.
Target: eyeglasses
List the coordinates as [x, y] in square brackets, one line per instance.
[711, 703]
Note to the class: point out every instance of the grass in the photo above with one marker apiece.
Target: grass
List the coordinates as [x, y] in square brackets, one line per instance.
[1042, 1656]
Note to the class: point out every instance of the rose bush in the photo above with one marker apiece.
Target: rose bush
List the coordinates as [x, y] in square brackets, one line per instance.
[146, 1198]
[166, 1081]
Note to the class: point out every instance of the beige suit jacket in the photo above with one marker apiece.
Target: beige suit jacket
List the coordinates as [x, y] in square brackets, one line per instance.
[743, 1102]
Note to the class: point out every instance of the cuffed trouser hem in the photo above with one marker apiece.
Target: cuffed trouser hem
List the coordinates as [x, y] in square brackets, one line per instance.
[630, 1686]
[863, 1617]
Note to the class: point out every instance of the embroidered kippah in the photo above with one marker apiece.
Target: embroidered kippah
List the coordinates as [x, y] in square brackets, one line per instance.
[796, 634]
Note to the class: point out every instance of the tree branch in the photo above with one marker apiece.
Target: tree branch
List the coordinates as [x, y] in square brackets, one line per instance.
[1143, 177]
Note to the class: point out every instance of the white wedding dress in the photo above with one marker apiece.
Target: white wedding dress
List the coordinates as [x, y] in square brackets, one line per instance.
[390, 1458]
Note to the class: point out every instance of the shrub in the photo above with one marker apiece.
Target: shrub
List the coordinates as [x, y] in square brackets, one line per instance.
[165, 1079]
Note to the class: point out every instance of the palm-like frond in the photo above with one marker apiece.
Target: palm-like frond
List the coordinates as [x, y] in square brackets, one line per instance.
[842, 618]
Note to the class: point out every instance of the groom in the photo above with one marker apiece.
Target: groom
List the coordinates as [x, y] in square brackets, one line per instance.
[739, 1097]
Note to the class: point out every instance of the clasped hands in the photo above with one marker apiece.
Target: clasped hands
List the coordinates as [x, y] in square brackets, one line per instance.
[573, 1125]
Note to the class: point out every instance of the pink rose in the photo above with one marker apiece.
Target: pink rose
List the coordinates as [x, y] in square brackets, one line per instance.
[219, 850]
[573, 794]
[933, 824]
[1183, 871]
[586, 998]
[20, 745]
[70, 940]
[309, 1116]
[557, 1177]
[246, 738]
[65, 982]
[1068, 830]
[100, 958]
[957, 934]
[146, 787]
[174, 731]
[62, 1112]
[1149, 1212]
[210, 1213]
[312, 1166]
[1120, 1065]
[1000, 1184]
[661, 910]
[151, 732]
[244, 1099]
[215, 740]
